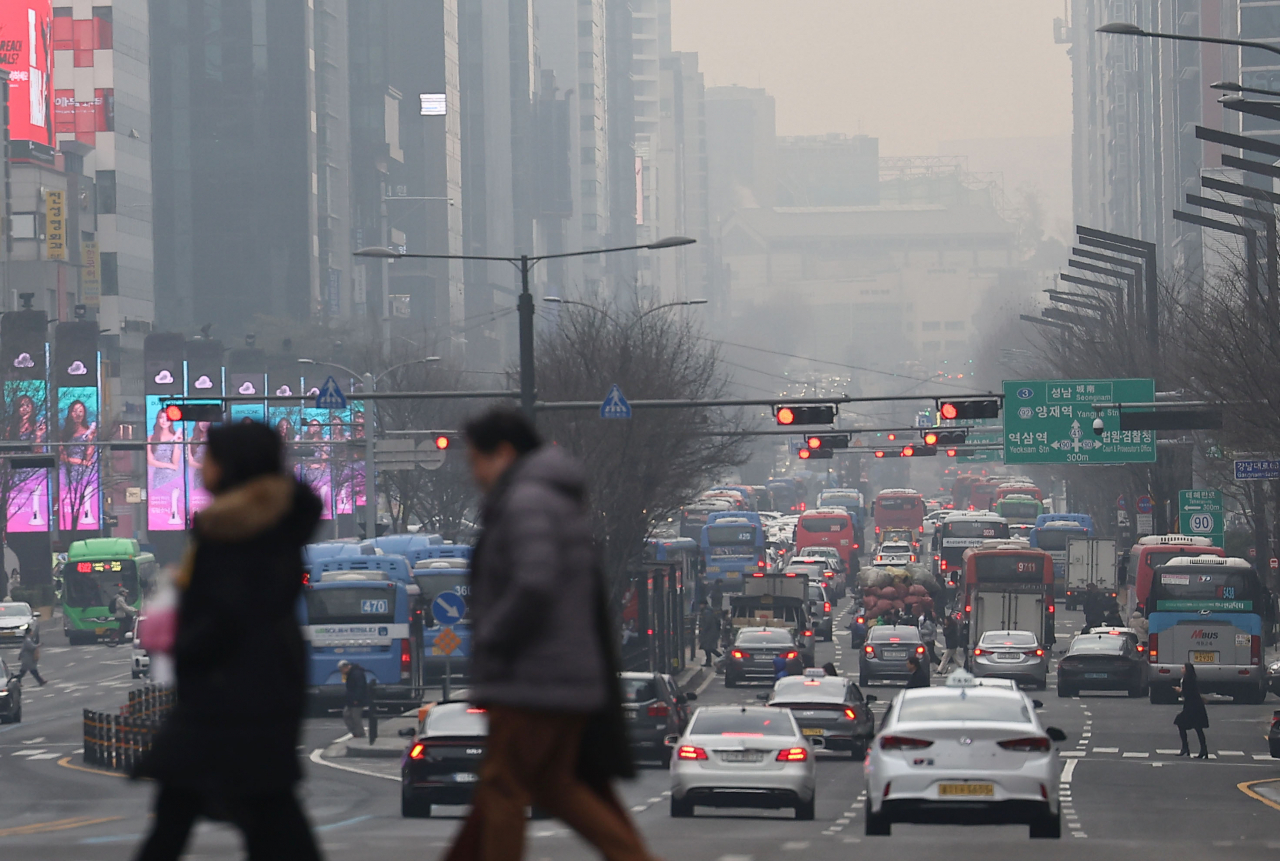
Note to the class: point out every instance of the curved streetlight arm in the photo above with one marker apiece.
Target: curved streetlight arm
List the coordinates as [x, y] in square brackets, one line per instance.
[1120, 28]
[345, 369]
[387, 253]
[686, 302]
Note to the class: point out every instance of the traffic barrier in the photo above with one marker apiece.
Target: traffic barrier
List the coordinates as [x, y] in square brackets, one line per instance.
[119, 741]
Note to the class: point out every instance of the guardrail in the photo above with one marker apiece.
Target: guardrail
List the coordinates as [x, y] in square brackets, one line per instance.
[118, 741]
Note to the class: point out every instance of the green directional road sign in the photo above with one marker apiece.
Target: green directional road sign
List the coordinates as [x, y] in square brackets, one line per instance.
[982, 436]
[1200, 513]
[1051, 421]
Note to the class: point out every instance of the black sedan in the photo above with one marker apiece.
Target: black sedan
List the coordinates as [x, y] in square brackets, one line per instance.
[751, 658]
[10, 695]
[442, 764]
[830, 707]
[1101, 662]
[655, 708]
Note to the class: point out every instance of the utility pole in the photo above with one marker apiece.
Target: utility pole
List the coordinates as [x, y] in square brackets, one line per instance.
[524, 308]
[370, 466]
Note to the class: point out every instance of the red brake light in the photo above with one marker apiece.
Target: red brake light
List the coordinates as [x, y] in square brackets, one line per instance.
[659, 710]
[790, 655]
[826, 606]
[968, 608]
[475, 711]
[943, 564]
[794, 754]
[406, 656]
[1255, 650]
[1051, 608]
[740, 655]
[1037, 653]
[1030, 744]
[1152, 639]
[688, 751]
[922, 528]
[416, 751]
[902, 742]
[828, 573]
[850, 714]
[919, 650]
[977, 652]
[870, 650]
[856, 546]
[808, 634]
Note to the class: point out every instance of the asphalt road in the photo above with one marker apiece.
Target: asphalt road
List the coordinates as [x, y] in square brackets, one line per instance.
[1124, 792]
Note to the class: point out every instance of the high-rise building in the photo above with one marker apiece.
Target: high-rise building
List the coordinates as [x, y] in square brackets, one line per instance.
[741, 149]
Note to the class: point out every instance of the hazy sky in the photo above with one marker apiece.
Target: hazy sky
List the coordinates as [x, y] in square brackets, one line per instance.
[911, 72]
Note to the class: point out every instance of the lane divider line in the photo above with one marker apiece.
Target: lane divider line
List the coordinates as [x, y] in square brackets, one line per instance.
[319, 760]
[66, 762]
[56, 825]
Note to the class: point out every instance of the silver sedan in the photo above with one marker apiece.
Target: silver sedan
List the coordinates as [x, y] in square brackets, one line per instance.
[1016, 655]
[743, 756]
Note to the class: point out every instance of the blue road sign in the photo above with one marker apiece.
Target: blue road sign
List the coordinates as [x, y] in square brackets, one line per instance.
[615, 406]
[448, 608]
[1254, 470]
[330, 396]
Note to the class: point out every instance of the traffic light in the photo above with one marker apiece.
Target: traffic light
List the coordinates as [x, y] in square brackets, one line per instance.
[442, 442]
[969, 408]
[804, 414]
[919, 451]
[193, 412]
[828, 441]
[816, 454]
[943, 436]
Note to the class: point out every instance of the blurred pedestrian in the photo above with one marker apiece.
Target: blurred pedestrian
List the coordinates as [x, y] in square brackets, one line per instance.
[1112, 617]
[1193, 715]
[709, 633]
[229, 748]
[857, 632]
[929, 634]
[919, 675]
[954, 645]
[1093, 607]
[122, 609]
[29, 656]
[542, 658]
[830, 669]
[355, 697]
[1138, 623]
[717, 595]
[795, 666]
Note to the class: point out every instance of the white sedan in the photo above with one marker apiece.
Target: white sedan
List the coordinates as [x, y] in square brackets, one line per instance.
[971, 753]
[743, 756]
[894, 553]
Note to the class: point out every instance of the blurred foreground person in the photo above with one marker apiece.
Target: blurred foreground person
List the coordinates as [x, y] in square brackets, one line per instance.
[543, 663]
[228, 750]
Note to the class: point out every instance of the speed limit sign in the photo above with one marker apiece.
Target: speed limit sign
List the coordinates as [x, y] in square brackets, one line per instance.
[1202, 523]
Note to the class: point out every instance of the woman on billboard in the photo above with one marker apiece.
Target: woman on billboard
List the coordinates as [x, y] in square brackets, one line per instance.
[79, 431]
[25, 423]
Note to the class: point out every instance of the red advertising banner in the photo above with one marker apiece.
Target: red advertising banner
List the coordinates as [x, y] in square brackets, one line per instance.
[26, 53]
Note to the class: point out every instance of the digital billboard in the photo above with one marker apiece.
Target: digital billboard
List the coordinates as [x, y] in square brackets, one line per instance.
[76, 424]
[204, 380]
[26, 53]
[247, 376]
[23, 354]
[164, 363]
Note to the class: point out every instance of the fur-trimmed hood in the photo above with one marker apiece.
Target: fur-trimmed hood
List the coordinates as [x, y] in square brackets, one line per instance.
[248, 510]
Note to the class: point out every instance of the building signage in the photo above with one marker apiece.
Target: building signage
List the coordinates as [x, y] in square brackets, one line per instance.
[55, 225]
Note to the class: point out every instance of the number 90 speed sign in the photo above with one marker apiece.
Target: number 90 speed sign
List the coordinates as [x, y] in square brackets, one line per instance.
[1202, 523]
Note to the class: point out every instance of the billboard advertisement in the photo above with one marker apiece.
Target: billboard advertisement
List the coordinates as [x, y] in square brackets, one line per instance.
[76, 424]
[26, 53]
[204, 380]
[24, 356]
[247, 376]
[164, 364]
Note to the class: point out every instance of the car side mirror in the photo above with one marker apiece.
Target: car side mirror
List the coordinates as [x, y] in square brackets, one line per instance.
[1055, 734]
[671, 740]
[691, 696]
[1037, 704]
[872, 698]
[36, 614]
[407, 732]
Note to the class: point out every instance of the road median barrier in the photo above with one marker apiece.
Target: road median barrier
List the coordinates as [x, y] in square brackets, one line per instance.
[119, 741]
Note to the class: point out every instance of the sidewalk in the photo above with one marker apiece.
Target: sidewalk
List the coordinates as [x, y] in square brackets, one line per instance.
[389, 744]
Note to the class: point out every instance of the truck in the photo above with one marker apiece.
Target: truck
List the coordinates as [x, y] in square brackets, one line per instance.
[1008, 586]
[1090, 560]
[776, 601]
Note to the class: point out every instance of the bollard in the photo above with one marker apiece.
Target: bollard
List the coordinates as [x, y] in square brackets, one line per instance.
[88, 737]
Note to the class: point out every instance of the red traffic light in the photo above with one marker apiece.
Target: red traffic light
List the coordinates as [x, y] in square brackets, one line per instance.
[173, 413]
[815, 442]
[951, 452]
[892, 437]
[442, 442]
[804, 454]
[949, 411]
[908, 450]
[786, 416]
[879, 454]
[930, 438]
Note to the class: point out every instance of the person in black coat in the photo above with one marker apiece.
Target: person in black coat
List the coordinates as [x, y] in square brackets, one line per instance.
[228, 751]
[1193, 715]
[919, 675]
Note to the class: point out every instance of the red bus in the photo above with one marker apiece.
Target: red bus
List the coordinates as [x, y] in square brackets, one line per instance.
[982, 495]
[1008, 586]
[960, 490]
[828, 527]
[898, 508]
[1152, 551]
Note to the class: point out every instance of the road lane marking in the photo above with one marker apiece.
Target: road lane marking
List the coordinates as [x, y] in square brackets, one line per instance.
[1072, 753]
[1129, 754]
[795, 846]
[1263, 756]
[66, 762]
[1168, 751]
[1231, 753]
[1068, 771]
[333, 825]
[1106, 750]
[55, 825]
[110, 838]
[1247, 788]
[319, 760]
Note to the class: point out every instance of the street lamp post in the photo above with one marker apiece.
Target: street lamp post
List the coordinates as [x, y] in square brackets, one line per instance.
[1233, 87]
[1122, 28]
[687, 302]
[524, 304]
[369, 383]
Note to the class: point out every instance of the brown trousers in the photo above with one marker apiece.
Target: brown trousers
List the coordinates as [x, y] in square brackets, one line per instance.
[531, 759]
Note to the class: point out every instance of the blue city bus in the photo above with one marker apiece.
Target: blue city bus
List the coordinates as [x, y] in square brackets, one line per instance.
[358, 609]
[1051, 533]
[733, 548]
[664, 585]
[329, 549]
[443, 568]
[402, 542]
[785, 495]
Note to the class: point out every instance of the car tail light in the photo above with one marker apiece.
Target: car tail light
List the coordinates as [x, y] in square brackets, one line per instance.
[790, 655]
[826, 606]
[856, 546]
[1255, 650]
[828, 573]
[968, 608]
[688, 751]
[659, 710]
[416, 752]
[760, 563]
[850, 714]
[877, 530]
[1051, 608]
[1034, 653]
[793, 754]
[1030, 744]
[922, 528]
[1152, 639]
[902, 742]
[740, 655]
[1141, 648]
[942, 563]
[476, 711]
[919, 650]
[870, 650]
[406, 660]
[913, 557]
[977, 652]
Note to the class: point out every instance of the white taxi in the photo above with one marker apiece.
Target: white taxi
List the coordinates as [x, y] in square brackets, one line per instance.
[971, 752]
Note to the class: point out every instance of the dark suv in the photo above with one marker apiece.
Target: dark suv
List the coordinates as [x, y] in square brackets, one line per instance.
[655, 708]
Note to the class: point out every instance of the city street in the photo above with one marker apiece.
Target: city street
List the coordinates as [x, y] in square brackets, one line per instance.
[1123, 790]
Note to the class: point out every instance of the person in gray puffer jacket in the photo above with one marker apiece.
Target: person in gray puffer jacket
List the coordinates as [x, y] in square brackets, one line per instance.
[542, 652]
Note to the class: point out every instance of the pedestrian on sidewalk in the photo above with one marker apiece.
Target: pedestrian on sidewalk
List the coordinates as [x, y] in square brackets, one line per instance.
[709, 633]
[542, 661]
[1193, 715]
[950, 639]
[29, 656]
[229, 748]
[355, 697]
[717, 595]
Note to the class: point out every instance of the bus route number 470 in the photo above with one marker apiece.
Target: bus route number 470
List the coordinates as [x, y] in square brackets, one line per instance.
[373, 605]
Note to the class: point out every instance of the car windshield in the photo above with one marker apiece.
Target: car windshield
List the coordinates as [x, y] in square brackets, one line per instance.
[764, 638]
[743, 722]
[1009, 638]
[952, 706]
[795, 689]
[457, 719]
[894, 635]
[15, 609]
[638, 690]
[1105, 645]
[895, 549]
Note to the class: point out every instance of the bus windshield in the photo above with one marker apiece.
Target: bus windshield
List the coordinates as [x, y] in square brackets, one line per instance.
[1020, 509]
[743, 535]
[897, 503]
[351, 605]
[841, 500]
[94, 584]
[824, 524]
[974, 529]
[1187, 588]
[1009, 568]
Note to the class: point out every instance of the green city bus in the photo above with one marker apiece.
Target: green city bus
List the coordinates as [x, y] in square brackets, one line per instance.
[95, 570]
[1019, 508]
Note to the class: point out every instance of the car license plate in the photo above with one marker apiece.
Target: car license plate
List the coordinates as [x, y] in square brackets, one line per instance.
[812, 730]
[465, 777]
[742, 756]
[1095, 675]
[967, 790]
[1204, 657]
[1008, 656]
[894, 654]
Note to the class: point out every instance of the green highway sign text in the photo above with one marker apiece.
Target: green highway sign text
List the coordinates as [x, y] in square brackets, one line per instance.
[1051, 421]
